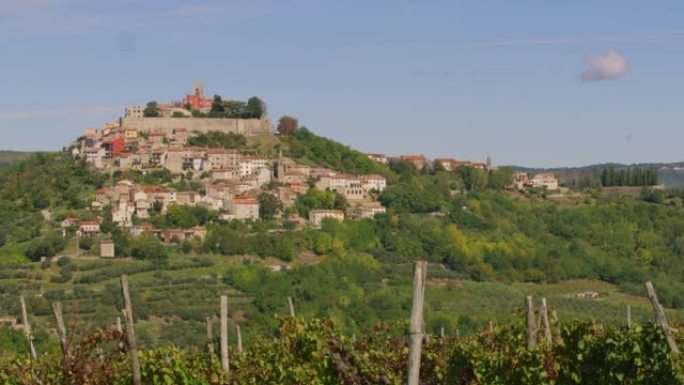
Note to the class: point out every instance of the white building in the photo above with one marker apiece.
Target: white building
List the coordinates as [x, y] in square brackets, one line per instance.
[243, 207]
[316, 217]
[546, 180]
[135, 111]
[373, 182]
[250, 165]
[370, 210]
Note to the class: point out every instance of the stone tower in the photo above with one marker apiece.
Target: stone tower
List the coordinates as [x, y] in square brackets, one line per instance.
[198, 88]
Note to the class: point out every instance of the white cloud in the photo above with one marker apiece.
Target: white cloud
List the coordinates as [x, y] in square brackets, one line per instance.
[612, 65]
[643, 37]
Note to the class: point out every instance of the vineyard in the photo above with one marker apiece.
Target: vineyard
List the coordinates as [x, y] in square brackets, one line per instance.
[316, 352]
[542, 350]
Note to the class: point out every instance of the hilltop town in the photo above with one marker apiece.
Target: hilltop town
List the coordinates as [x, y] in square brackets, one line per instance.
[223, 176]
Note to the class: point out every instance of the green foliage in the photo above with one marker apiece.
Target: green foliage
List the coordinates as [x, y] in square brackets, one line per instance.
[631, 176]
[269, 206]
[46, 246]
[184, 217]
[319, 199]
[147, 247]
[151, 110]
[255, 108]
[306, 146]
[318, 352]
[85, 243]
[218, 139]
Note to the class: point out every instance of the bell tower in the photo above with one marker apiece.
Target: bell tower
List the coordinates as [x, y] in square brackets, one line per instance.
[198, 89]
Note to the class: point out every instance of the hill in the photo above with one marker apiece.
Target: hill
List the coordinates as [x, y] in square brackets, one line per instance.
[670, 174]
[8, 157]
[488, 247]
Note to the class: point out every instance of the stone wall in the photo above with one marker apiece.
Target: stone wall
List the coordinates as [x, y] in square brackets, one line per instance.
[245, 127]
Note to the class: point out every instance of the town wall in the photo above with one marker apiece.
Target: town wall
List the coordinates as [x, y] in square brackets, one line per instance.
[245, 127]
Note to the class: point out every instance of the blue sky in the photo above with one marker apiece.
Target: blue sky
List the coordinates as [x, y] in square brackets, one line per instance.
[464, 79]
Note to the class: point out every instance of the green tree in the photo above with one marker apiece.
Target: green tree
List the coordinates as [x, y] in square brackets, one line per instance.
[269, 206]
[501, 178]
[255, 108]
[151, 110]
[148, 247]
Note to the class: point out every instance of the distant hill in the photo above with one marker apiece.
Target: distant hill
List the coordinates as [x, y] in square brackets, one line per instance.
[670, 174]
[7, 157]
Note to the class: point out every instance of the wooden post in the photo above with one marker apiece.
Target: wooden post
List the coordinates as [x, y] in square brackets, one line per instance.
[531, 327]
[491, 327]
[289, 302]
[629, 317]
[458, 333]
[225, 363]
[441, 332]
[27, 327]
[555, 320]
[660, 318]
[416, 329]
[130, 331]
[61, 329]
[545, 320]
[239, 339]
[118, 325]
[210, 337]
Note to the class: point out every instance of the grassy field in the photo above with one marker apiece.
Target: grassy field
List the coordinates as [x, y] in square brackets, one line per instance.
[171, 305]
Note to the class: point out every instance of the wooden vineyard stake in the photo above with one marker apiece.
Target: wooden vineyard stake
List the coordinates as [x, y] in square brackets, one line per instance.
[58, 314]
[545, 321]
[27, 327]
[239, 338]
[225, 361]
[291, 305]
[210, 337]
[531, 327]
[660, 317]
[130, 330]
[416, 327]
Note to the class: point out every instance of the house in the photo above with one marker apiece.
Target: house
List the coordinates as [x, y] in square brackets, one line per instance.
[520, 180]
[419, 161]
[187, 198]
[243, 207]
[225, 173]
[68, 222]
[130, 134]
[221, 159]
[179, 235]
[211, 202]
[113, 146]
[380, 158]
[135, 111]
[545, 180]
[369, 210]
[142, 208]
[122, 214]
[448, 164]
[107, 249]
[348, 186]
[316, 217]
[144, 228]
[89, 228]
[373, 182]
[249, 164]
[288, 171]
